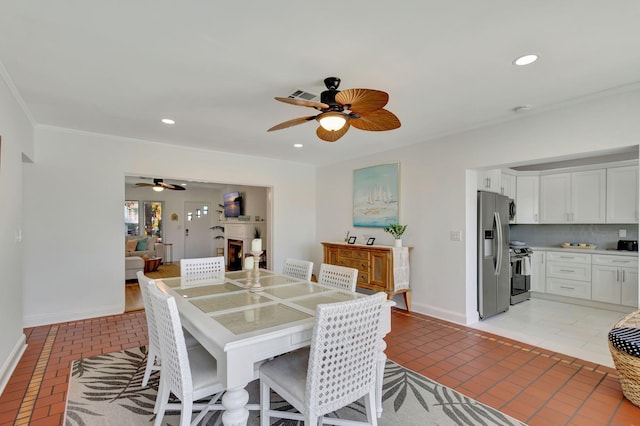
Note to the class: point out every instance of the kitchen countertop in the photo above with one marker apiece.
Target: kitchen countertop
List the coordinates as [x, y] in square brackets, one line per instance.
[588, 251]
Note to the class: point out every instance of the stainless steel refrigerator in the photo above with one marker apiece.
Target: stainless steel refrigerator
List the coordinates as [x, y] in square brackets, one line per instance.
[494, 282]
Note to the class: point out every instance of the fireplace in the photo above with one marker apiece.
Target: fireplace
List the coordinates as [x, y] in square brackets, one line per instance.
[235, 255]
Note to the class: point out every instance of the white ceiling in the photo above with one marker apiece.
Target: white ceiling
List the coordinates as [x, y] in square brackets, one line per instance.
[214, 66]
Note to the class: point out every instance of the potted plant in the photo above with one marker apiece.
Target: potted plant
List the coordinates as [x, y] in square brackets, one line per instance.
[396, 230]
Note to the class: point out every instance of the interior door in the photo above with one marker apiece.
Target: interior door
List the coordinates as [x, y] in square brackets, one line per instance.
[198, 237]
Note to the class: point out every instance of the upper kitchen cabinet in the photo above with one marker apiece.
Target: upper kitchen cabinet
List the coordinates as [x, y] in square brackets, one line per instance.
[508, 185]
[622, 194]
[527, 196]
[489, 180]
[578, 197]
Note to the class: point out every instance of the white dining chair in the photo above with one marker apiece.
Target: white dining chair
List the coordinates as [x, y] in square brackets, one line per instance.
[153, 352]
[340, 277]
[201, 269]
[190, 374]
[338, 369]
[298, 269]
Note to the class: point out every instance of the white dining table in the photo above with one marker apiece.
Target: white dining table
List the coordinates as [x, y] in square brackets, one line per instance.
[241, 327]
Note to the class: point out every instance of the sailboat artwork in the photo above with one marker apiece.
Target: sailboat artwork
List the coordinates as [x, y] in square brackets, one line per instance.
[376, 195]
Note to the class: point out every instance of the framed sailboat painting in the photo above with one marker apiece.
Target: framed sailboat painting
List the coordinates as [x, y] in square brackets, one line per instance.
[376, 193]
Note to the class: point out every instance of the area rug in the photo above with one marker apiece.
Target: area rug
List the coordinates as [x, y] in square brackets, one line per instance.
[106, 390]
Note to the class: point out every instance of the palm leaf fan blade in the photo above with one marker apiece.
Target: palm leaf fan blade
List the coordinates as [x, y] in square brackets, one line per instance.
[290, 123]
[302, 102]
[362, 100]
[376, 121]
[332, 136]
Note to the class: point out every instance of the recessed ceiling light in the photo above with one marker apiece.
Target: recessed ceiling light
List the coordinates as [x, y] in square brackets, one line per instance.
[525, 60]
[297, 145]
[168, 121]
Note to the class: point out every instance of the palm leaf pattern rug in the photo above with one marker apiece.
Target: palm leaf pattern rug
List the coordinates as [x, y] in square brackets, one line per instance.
[106, 390]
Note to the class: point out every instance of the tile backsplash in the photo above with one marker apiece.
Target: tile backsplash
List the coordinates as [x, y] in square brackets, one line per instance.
[604, 236]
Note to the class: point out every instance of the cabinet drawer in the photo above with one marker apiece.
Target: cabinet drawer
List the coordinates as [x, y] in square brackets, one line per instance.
[360, 265]
[363, 278]
[577, 289]
[354, 254]
[569, 271]
[609, 260]
[569, 257]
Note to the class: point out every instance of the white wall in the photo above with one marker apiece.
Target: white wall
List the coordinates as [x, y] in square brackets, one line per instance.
[16, 141]
[438, 193]
[74, 196]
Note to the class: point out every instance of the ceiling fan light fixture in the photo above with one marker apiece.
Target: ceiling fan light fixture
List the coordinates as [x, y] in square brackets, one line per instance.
[158, 188]
[332, 121]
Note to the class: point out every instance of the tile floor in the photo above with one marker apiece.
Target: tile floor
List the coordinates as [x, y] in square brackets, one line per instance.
[573, 330]
[536, 386]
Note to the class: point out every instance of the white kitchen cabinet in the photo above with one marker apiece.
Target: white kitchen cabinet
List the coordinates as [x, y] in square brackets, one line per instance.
[489, 180]
[527, 199]
[615, 279]
[622, 194]
[569, 274]
[578, 197]
[508, 185]
[629, 290]
[538, 272]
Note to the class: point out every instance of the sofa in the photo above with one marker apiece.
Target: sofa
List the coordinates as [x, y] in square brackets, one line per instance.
[135, 246]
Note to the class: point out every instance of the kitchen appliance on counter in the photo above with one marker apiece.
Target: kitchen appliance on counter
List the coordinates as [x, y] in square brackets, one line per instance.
[628, 245]
[520, 259]
[494, 286]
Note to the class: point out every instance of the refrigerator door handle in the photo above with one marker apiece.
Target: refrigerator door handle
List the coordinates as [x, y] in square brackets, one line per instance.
[496, 217]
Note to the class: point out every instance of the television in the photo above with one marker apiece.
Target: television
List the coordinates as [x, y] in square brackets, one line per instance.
[232, 204]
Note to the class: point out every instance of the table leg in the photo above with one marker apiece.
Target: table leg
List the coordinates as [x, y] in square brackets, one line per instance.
[234, 401]
[382, 360]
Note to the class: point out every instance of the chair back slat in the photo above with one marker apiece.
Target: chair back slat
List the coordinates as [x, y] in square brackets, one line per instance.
[338, 276]
[296, 268]
[201, 269]
[344, 349]
[175, 361]
[145, 283]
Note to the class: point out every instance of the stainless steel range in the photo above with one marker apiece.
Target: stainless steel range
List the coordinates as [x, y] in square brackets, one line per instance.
[520, 258]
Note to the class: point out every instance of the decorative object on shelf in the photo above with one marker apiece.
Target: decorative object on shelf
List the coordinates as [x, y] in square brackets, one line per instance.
[352, 240]
[174, 217]
[218, 228]
[376, 192]
[220, 212]
[257, 233]
[346, 237]
[396, 230]
[370, 241]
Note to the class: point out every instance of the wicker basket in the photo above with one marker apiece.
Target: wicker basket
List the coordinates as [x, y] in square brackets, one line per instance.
[628, 366]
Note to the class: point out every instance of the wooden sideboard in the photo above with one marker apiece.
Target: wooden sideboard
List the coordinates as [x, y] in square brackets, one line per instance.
[380, 268]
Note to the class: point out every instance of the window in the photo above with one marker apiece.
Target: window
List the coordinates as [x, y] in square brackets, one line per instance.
[145, 221]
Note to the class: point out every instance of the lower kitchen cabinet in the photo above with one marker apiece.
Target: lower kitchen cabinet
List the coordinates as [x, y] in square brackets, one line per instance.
[615, 279]
[538, 272]
[570, 288]
[569, 274]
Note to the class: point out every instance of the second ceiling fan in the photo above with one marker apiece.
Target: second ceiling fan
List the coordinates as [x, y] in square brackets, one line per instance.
[365, 111]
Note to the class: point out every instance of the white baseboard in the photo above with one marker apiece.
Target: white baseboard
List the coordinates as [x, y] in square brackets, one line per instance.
[12, 361]
[54, 318]
[436, 312]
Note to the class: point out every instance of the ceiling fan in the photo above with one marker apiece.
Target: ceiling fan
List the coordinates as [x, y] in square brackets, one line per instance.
[365, 106]
[158, 185]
